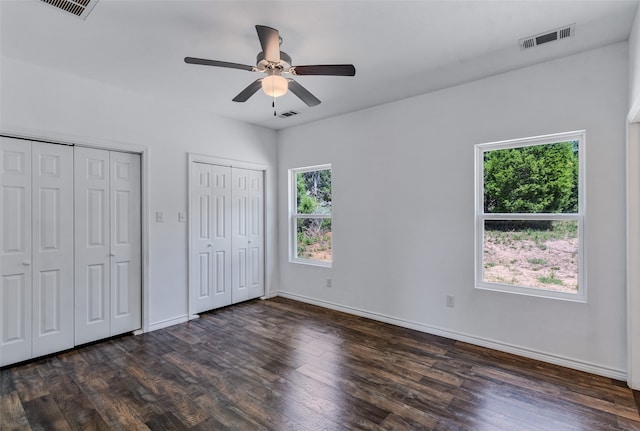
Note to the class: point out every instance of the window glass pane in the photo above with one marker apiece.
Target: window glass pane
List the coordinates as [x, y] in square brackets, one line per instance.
[532, 179]
[538, 254]
[313, 240]
[313, 192]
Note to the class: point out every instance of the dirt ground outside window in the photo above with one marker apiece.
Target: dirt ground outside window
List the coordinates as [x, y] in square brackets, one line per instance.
[529, 259]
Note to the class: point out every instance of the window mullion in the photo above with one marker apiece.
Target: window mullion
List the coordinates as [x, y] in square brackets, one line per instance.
[527, 216]
[312, 215]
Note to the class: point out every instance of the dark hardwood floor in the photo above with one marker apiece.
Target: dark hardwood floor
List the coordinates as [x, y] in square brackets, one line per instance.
[284, 365]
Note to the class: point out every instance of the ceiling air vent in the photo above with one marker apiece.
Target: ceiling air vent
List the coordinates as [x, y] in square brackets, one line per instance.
[546, 37]
[79, 8]
[288, 114]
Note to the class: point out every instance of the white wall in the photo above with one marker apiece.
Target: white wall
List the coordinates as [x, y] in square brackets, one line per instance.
[634, 61]
[52, 104]
[403, 209]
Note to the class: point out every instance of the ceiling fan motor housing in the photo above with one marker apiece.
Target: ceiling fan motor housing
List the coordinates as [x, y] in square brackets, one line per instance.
[285, 62]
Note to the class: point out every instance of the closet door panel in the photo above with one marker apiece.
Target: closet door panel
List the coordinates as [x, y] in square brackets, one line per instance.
[221, 235]
[92, 250]
[53, 296]
[240, 239]
[125, 261]
[211, 236]
[201, 237]
[255, 234]
[15, 260]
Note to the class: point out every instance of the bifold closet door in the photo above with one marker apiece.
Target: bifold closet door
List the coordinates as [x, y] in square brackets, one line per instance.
[210, 236]
[107, 243]
[227, 235]
[52, 172]
[126, 243]
[16, 294]
[248, 234]
[36, 294]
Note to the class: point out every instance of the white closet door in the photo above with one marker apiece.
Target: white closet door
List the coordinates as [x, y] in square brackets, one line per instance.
[92, 263]
[248, 234]
[255, 234]
[108, 244]
[210, 236]
[226, 235]
[240, 238]
[125, 253]
[15, 237]
[52, 168]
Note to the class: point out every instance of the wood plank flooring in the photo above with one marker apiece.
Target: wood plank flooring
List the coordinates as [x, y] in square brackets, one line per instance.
[283, 365]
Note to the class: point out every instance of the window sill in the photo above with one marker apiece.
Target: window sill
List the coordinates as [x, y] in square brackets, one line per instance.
[530, 291]
[311, 262]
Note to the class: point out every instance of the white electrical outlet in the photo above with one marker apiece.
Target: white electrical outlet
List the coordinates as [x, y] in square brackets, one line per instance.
[451, 301]
[329, 282]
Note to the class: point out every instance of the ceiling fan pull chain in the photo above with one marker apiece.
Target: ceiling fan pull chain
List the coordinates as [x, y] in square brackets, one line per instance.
[273, 105]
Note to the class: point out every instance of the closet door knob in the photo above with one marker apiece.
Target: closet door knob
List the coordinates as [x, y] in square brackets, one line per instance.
[26, 263]
[209, 245]
[112, 254]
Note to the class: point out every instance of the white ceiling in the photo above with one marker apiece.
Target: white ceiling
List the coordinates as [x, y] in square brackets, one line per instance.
[399, 48]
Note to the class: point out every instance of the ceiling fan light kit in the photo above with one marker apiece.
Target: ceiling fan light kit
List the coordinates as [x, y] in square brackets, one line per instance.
[274, 85]
[274, 63]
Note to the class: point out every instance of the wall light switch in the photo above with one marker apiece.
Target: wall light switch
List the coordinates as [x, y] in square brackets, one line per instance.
[451, 301]
[159, 217]
[181, 217]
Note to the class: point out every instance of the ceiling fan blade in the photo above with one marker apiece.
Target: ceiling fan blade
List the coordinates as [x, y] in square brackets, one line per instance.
[244, 95]
[326, 69]
[205, 62]
[303, 93]
[270, 42]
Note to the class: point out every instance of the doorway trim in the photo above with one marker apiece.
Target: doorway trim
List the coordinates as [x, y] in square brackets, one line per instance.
[633, 246]
[233, 163]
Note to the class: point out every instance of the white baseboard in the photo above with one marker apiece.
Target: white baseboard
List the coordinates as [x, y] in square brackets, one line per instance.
[471, 339]
[168, 322]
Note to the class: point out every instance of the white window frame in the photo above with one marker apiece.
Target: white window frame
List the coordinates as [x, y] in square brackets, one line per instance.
[294, 216]
[481, 217]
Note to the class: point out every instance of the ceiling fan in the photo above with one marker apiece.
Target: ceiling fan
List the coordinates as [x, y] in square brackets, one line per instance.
[275, 63]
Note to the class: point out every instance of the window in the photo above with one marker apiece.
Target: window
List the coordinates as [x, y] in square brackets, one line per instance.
[530, 216]
[310, 210]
